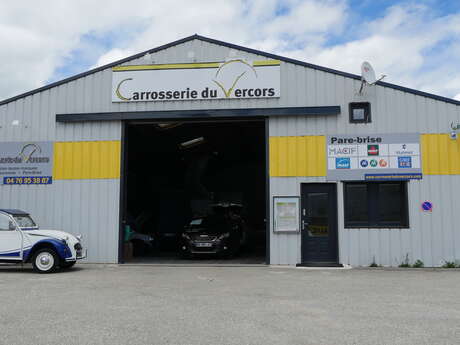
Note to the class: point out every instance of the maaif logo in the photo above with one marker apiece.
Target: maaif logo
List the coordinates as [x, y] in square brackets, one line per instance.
[373, 150]
[364, 163]
[404, 162]
[342, 163]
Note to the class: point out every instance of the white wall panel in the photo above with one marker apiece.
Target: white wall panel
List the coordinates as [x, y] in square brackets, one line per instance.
[87, 207]
[432, 237]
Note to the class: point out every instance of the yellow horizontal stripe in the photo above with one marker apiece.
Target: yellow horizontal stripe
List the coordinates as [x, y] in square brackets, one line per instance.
[440, 154]
[187, 65]
[266, 63]
[167, 66]
[86, 160]
[298, 156]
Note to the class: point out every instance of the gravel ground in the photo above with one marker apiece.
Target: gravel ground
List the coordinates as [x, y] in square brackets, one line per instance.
[142, 304]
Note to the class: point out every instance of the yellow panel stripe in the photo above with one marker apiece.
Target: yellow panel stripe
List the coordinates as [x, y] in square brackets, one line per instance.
[298, 156]
[87, 160]
[188, 66]
[167, 66]
[289, 156]
[440, 155]
[266, 63]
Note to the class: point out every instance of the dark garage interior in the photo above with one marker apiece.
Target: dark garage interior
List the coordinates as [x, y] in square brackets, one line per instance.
[195, 191]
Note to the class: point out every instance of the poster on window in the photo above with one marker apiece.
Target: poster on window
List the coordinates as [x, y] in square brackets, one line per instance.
[376, 157]
[286, 214]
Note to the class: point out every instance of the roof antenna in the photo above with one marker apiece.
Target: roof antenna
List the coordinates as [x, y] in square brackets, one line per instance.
[368, 76]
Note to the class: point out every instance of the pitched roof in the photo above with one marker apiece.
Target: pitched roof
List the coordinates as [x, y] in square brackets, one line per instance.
[237, 47]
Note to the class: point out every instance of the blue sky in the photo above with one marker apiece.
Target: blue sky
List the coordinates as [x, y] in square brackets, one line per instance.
[415, 43]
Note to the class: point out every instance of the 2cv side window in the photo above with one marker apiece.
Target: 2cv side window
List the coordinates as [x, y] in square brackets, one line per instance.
[4, 222]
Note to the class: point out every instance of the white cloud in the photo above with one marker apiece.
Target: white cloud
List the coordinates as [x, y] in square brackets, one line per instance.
[408, 43]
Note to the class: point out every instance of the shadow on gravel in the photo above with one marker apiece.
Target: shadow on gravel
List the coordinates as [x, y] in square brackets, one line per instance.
[13, 268]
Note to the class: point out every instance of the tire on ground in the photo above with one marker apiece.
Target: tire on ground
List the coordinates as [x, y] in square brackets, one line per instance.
[45, 261]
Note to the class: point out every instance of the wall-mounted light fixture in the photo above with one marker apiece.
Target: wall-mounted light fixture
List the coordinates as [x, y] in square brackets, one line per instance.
[455, 128]
[191, 143]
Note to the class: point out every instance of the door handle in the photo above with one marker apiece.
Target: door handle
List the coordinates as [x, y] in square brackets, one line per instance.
[304, 223]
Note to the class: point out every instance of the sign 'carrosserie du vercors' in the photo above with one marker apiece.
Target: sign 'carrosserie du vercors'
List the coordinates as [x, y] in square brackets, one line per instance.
[232, 79]
[373, 157]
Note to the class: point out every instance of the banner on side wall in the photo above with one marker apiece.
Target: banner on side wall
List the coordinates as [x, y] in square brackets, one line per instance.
[376, 157]
[232, 79]
[27, 163]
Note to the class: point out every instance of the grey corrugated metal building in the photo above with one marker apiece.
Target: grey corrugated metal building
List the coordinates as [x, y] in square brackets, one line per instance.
[322, 205]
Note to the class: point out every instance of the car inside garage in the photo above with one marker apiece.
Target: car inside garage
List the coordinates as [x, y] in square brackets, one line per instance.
[194, 191]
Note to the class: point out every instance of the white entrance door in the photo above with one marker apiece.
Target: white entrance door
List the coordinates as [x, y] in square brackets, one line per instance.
[10, 240]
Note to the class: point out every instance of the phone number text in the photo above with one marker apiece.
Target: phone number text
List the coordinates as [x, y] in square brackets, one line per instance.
[27, 180]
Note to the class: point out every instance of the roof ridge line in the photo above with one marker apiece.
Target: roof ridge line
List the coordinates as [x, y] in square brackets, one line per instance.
[233, 46]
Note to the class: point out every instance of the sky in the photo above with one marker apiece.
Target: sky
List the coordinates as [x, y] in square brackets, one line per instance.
[415, 43]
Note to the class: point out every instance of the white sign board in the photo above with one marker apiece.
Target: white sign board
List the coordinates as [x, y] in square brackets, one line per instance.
[286, 214]
[233, 79]
[26, 163]
[373, 157]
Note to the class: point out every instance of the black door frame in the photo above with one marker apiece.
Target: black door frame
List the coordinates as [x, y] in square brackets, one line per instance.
[336, 225]
[124, 181]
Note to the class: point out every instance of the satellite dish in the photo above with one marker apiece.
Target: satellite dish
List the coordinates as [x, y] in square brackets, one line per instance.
[368, 75]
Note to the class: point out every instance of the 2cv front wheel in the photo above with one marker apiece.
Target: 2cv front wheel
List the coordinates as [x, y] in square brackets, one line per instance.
[45, 261]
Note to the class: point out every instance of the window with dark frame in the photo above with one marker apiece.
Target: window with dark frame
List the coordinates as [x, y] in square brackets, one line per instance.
[360, 112]
[376, 204]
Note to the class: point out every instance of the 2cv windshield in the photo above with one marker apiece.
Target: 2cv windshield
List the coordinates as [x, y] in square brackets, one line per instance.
[24, 221]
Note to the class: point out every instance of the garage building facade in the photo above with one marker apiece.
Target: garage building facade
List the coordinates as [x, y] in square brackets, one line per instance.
[315, 215]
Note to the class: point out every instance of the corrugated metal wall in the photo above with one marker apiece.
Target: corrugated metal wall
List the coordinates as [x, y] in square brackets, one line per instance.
[91, 206]
[85, 206]
[432, 237]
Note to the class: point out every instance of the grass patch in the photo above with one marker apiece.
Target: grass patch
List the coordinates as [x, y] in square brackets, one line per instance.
[450, 264]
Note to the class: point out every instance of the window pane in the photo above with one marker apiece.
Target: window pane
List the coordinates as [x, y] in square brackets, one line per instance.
[356, 203]
[4, 222]
[318, 214]
[391, 207]
[358, 114]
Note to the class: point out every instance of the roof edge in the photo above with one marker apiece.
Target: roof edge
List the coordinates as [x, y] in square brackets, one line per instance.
[237, 47]
[330, 70]
[98, 69]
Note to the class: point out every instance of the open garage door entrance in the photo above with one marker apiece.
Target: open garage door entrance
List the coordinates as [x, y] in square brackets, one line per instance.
[194, 192]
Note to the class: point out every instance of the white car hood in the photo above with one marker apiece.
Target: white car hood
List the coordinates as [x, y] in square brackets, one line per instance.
[58, 234]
